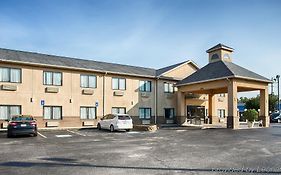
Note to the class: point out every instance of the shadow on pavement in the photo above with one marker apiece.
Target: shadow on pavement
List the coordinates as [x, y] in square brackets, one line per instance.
[75, 164]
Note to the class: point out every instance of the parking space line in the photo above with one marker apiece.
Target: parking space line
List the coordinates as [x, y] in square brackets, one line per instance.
[77, 133]
[41, 135]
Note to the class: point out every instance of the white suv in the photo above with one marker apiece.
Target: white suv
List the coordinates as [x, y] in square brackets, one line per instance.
[116, 122]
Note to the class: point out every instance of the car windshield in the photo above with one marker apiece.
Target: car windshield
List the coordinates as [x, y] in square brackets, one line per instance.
[21, 118]
[124, 117]
[275, 115]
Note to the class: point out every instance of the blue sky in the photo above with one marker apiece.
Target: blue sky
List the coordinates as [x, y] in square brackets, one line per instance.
[150, 33]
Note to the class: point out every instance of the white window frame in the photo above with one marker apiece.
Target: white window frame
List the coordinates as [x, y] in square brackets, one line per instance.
[52, 78]
[221, 113]
[87, 84]
[9, 111]
[52, 117]
[9, 75]
[170, 87]
[87, 109]
[144, 113]
[145, 86]
[118, 109]
[119, 82]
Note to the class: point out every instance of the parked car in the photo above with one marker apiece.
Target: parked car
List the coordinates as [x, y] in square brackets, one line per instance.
[116, 122]
[275, 117]
[22, 125]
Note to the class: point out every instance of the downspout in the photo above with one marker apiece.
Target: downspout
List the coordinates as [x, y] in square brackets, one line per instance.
[103, 94]
[155, 101]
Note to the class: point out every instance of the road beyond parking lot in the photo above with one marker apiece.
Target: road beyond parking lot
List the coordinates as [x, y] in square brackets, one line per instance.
[166, 151]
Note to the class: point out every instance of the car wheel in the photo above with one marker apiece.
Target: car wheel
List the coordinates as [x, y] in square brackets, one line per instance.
[98, 126]
[128, 130]
[111, 128]
[9, 134]
[35, 134]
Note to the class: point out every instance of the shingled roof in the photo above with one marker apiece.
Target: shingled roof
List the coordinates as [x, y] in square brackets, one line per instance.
[67, 62]
[221, 70]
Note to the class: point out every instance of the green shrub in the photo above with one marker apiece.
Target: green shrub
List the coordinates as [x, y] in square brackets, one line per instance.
[251, 115]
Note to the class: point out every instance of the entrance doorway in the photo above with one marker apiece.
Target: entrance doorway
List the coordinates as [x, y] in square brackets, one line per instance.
[195, 114]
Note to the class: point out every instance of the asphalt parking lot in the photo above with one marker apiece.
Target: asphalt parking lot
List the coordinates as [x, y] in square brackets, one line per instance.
[178, 150]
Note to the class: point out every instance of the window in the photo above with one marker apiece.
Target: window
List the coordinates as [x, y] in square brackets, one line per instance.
[52, 78]
[52, 112]
[10, 75]
[145, 113]
[116, 110]
[119, 83]
[87, 112]
[221, 95]
[215, 57]
[88, 81]
[168, 88]
[169, 113]
[109, 116]
[145, 86]
[7, 111]
[221, 113]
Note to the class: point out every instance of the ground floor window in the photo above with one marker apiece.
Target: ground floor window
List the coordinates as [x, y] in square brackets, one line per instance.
[118, 110]
[169, 113]
[221, 113]
[87, 112]
[52, 112]
[145, 113]
[7, 111]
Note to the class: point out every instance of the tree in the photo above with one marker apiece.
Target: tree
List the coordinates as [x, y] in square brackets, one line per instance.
[243, 99]
[251, 115]
[272, 102]
[253, 103]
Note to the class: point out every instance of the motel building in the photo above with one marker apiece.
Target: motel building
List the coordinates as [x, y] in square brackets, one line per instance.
[69, 92]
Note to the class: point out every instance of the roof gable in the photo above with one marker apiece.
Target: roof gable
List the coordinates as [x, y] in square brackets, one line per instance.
[220, 70]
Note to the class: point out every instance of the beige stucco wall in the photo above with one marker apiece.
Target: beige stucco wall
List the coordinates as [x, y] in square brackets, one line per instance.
[181, 71]
[70, 95]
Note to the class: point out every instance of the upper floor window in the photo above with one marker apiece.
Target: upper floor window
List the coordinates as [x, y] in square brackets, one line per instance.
[12, 75]
[52, 78]
[119, 83]
[52, 112]
[88, 81]
[7, 111]
[221, 95]
[87, 112]
[169, 87]
[145, 86]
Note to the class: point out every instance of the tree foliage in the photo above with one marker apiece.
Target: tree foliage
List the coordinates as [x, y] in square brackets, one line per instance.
[254, 102]
[251, 115]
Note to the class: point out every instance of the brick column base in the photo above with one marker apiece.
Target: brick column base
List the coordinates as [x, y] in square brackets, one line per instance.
[233, 122]
[265, 121]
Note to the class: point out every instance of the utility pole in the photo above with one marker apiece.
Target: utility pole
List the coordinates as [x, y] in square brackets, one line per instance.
[273, 80]
[277, 77]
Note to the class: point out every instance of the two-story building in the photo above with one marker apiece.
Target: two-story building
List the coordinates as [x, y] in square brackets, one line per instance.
[69, 92]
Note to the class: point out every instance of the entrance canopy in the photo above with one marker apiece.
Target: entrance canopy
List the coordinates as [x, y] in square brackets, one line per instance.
[223, 76]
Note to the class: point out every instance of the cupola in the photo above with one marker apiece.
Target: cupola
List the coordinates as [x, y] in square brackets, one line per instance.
[220, 52]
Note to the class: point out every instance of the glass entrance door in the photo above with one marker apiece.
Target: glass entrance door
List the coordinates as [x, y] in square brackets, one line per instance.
[196, 114]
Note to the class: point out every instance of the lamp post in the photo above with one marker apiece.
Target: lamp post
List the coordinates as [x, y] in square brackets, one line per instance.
[273, 80]
[277, 78]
